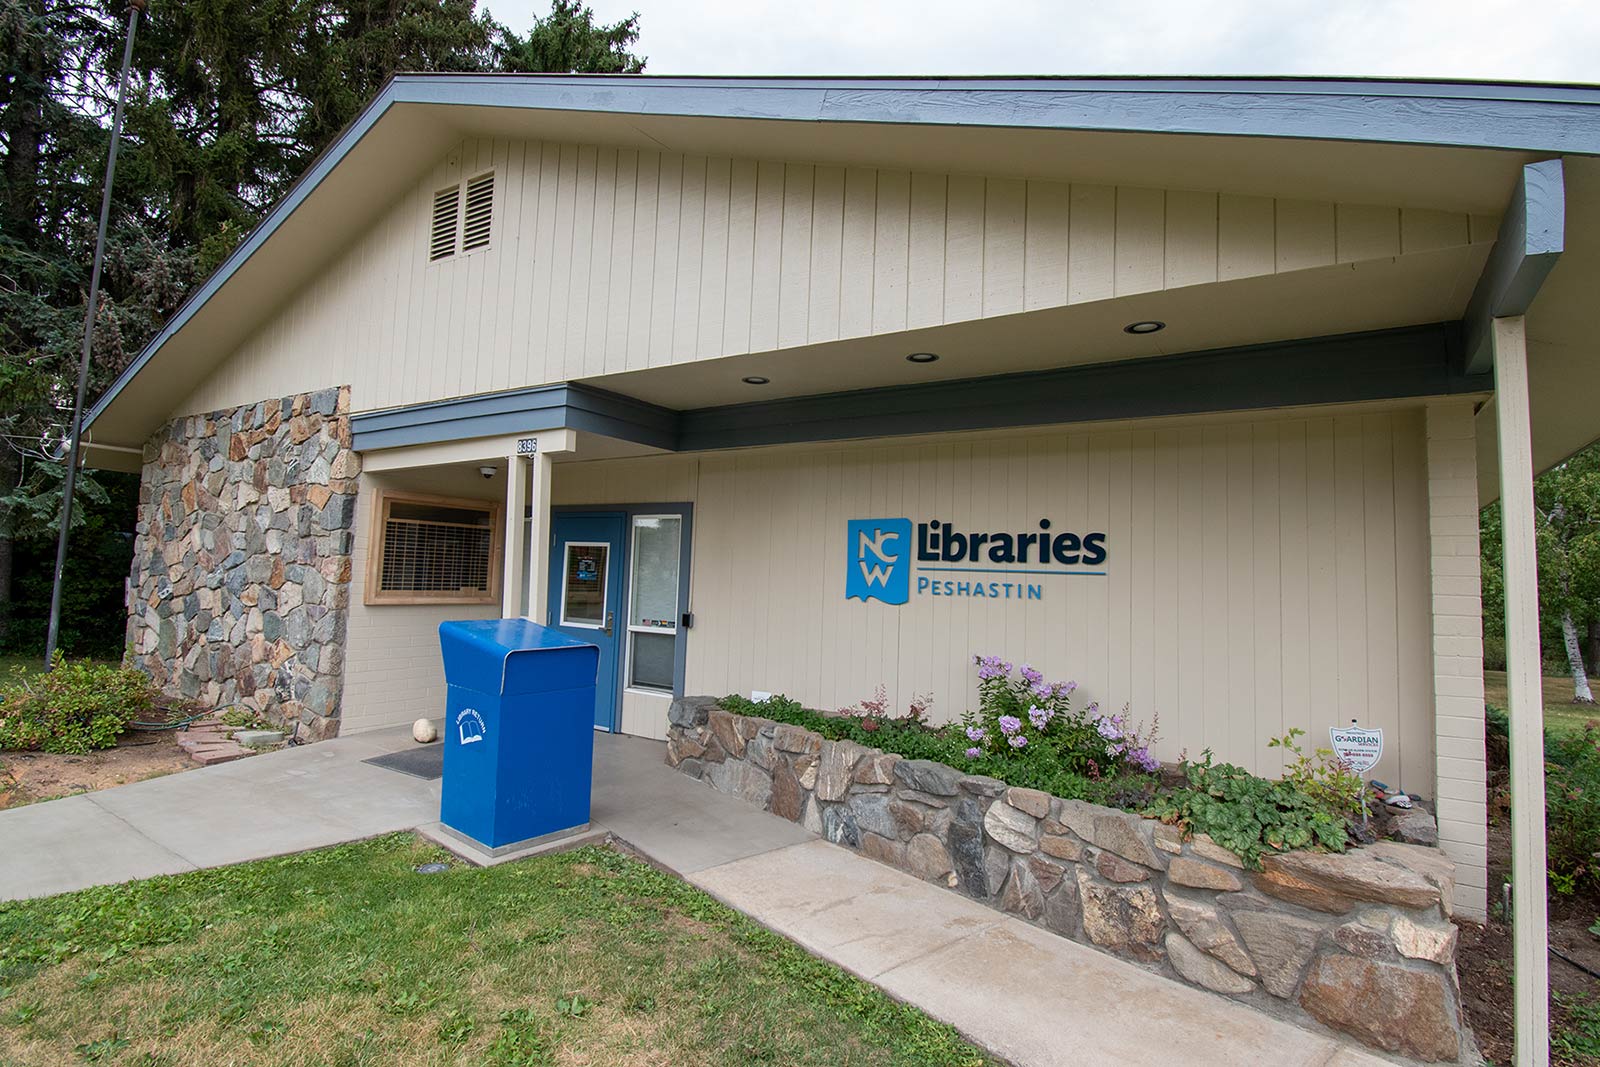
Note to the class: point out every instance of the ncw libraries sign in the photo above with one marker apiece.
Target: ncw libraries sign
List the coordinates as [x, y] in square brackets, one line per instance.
[952, 562]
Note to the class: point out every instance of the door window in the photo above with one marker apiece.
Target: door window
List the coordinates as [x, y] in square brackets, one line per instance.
[584, 574]
[653, 601]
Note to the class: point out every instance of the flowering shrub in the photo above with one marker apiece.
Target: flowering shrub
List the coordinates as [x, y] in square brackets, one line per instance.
[1024, 717]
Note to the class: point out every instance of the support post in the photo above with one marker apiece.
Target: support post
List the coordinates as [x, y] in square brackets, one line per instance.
[514, 582]
[539, 536]
[1524, 689]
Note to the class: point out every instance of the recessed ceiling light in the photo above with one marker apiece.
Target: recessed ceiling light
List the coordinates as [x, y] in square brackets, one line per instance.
[1147, 326]
[923, 357]
[755, 379]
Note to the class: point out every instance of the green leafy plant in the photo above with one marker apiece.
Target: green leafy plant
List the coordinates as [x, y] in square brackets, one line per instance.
[1250, 815]
[1324, 777]
[574, 1006]
[1572, 810]
[75, 708]
[1579, 1038]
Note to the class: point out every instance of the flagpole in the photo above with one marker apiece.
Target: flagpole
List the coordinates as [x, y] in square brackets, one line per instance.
[75, 443]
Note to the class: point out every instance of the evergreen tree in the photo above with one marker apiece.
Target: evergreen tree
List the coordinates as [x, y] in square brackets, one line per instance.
[229, 102]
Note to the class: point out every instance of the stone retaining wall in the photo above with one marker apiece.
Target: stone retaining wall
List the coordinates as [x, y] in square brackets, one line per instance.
[1361, 941]
[240, 584]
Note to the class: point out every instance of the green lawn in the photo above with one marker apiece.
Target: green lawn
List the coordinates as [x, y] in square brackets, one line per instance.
[347, 956]
[1560, 713]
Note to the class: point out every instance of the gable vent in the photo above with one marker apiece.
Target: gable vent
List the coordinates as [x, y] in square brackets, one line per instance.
[480, 202]
[442, 237]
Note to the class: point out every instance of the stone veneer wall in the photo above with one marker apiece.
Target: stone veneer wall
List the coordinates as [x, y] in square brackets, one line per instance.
[240, 585]
[1360, 941]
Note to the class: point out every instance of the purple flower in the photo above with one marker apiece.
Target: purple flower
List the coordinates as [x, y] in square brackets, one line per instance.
[1066, 688]
[974, 753]
[1042, 690]
[1018, 741]
[1107, 728]
[976, 733]
[1031, 676]
[990, 668]
[1039, 717]
[1009, 725]
[1144, 759]
[1094, 709]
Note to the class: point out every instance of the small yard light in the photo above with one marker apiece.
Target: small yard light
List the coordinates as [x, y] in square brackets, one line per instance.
[432, 868]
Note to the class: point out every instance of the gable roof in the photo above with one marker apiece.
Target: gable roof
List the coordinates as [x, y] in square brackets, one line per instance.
[1416, 141]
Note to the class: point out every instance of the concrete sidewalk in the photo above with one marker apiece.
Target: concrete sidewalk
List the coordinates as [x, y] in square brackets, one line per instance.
[1030, 996]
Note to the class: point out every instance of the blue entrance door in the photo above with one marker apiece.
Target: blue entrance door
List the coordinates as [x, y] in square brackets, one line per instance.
[586, 576]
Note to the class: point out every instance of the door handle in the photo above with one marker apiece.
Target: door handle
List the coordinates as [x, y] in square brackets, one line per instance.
[610, 619]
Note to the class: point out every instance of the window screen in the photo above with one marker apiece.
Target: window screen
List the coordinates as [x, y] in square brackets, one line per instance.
[434, 550]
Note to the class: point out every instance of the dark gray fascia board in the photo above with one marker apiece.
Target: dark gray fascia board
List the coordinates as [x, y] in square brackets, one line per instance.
[548, 407]
[1523, 116]
[1531, 239]
[1383, 365]
[1530, 117]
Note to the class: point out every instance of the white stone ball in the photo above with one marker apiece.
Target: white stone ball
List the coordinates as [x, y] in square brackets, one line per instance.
[424, 732]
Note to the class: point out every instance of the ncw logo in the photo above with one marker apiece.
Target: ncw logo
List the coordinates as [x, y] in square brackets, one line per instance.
[879, 560]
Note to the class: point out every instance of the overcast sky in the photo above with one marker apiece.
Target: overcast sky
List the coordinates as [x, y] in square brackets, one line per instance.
[1538, 40]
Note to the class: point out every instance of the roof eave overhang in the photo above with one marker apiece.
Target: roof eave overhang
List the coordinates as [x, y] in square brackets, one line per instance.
[1524, 117]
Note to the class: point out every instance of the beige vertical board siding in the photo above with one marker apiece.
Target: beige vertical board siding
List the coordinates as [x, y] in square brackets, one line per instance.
[1257, 580]
[1294, 578]
[1322, 577]
[1241, 555]
[641, 286]
[928, 234]
[1246, 237]
[1045, 245]
[794, 287]
[713, 261]
[858, 234]
[1190, 242]
[601, 235]
[1366, 232]
[1424, 230]
[827, 255]
[668, 247]
[1140, 241]
[691, 260]
[644, 714]
[605, 260]
[563, 258]
[620, 283]
[767, 281]
[1266, 539]
[1304, 234]
[574, 346]
[963, 253]
[740, 290]
[895, 253]
[1092, 257]
[1005, 211]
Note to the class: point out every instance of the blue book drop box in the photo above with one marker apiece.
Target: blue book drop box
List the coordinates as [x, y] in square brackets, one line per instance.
[518, 730]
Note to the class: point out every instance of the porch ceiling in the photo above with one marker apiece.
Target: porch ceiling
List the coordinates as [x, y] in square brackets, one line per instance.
[1348, 298]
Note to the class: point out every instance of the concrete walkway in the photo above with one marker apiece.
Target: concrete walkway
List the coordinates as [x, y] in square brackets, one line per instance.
[1030, 996]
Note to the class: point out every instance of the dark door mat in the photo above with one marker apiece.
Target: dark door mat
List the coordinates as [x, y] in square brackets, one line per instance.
[424, 761]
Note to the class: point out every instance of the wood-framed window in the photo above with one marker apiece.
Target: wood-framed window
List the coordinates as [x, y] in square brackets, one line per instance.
[433, 550]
